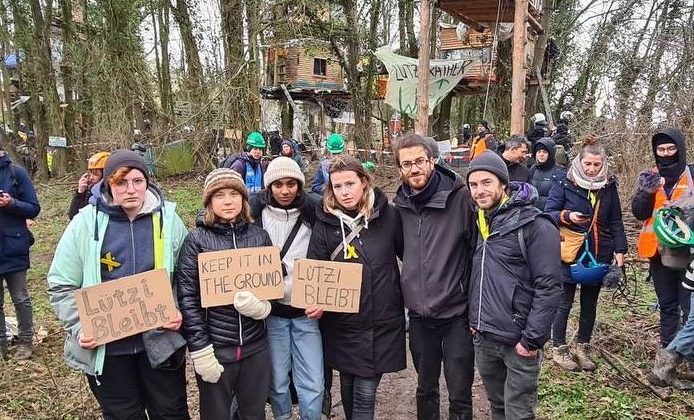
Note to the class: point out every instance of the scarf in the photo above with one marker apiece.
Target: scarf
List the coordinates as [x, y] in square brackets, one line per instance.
[578, 177]
[352, 222]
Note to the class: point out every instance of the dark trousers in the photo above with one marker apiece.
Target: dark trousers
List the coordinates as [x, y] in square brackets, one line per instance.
[358, 396]
[129, 385]
[586, 322]
[248, 380]
[17, 286]
[433, 341]
[328, 386]
[509, 378]
[673, 299]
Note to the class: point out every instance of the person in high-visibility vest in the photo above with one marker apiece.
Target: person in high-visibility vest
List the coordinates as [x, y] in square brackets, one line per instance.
[670, 180]
[479, 144]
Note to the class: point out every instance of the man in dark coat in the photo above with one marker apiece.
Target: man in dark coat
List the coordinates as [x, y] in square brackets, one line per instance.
[513, 298]
[543, 172]
[439, 233]
[515, 153]
[18, 202]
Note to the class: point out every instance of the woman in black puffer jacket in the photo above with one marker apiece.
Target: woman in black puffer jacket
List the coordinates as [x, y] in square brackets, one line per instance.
[227, 344]
[364, 345]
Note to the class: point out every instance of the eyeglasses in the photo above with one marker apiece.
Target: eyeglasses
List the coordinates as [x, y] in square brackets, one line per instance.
[668, 149]
[420, 163]
[137, 183]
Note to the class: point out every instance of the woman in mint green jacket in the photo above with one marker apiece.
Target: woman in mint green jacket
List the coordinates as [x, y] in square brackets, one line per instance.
[126, 229]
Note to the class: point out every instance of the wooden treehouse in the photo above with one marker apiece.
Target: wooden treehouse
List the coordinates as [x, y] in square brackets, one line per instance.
[479, 17]
[478, 13]
[487, 20]
[307, 68]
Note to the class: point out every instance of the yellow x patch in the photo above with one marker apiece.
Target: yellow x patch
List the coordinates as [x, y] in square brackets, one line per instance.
[351, 252]
[110, 262]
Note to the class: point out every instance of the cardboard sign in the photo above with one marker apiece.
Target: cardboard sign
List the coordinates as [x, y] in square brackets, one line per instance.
[130, 305]
[223, 273]
[334, 286]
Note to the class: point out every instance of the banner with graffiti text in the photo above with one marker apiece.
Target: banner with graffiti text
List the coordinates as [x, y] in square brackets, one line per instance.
[444, 75]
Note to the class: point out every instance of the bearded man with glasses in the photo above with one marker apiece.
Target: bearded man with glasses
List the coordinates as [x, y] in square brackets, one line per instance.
[439, 234]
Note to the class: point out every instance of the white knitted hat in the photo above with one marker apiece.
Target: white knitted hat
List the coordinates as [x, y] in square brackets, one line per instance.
[222, 178]
[283, 167]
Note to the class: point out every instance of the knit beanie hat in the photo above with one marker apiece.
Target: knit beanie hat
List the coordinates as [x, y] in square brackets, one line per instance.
[491, 162]
[124, 159]
[222, 178]
[283, 167]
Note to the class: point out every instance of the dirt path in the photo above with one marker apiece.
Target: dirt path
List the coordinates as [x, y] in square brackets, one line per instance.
[395, 400]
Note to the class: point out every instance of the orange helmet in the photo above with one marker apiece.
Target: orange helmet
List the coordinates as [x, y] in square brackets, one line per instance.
[98, 160]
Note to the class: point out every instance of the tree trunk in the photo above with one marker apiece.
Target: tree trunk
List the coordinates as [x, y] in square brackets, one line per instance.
[163, 20]
[539, 55]
[253, 19]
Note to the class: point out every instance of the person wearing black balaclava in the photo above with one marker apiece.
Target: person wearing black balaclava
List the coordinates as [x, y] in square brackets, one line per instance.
[545, 169]
[669, 181]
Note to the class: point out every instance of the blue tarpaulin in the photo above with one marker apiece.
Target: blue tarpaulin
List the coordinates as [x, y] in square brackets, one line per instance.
[11, 61]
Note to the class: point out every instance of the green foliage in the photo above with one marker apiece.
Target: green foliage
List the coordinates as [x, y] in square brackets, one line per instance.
[614, 404]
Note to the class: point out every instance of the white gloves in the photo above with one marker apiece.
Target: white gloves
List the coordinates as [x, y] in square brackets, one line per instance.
[247, 304]
[206, 364]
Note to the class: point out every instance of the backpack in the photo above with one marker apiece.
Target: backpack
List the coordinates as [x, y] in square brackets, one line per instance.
[229, 160]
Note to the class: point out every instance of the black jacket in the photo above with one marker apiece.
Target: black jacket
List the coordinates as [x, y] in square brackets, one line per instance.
[514, 299]
[221, 326]
[643, 202]
[542, 175]
[518, 172]
[79, 200]
[373, 340]
[439, 240]
[609, 237]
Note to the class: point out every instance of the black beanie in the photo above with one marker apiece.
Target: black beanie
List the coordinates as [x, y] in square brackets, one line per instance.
[491, 162]
[124, 159]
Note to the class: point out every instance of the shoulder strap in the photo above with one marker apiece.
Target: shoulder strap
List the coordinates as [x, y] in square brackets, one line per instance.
[353, 234]
[521, 243]
[13, 175]
[290, 238]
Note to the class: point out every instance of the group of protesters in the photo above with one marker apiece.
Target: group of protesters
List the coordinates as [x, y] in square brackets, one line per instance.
[486, 273]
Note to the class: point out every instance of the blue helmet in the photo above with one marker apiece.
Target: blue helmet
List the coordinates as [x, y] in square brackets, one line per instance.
[586, 270]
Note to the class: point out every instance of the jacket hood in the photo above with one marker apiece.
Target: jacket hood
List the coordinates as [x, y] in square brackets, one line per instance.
[402, 196]
[306, 203]
[5, 161]
[219, 227]
[518, 210]
[677, 137]
[549, 144]
[154, 199]
[380, 202]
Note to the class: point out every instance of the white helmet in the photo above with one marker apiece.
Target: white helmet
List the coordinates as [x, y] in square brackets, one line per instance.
[539, 117]
[566, 115]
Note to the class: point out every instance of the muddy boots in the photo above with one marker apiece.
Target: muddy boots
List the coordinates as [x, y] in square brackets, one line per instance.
[582, 357]
[562, 357]
[23, 351]
[664, 371]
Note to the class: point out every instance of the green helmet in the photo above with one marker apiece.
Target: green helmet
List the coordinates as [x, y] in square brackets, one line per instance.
[335, 143]
[369, 166]
[255, 140]
[670, 228]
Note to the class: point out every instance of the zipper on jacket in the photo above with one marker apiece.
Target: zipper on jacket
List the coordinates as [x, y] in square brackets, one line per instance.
[240, 330]
[132, 247]
[479, 306]
[419, 226]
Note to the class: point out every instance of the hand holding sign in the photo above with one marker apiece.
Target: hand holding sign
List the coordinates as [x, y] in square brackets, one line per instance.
[331, 286]
[223, 273]
[124, 307]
